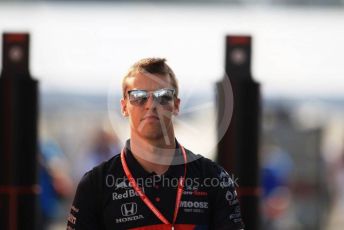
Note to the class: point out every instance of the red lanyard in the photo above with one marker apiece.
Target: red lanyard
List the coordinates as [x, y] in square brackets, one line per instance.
[146, 200]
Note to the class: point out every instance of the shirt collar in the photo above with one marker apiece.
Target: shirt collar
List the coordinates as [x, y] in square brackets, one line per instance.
[176, 169]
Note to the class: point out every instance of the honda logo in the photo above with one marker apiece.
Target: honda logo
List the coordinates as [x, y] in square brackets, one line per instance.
[129, 209]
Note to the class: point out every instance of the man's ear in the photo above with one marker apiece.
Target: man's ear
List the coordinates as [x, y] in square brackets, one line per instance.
[124, 107]
[176, 106]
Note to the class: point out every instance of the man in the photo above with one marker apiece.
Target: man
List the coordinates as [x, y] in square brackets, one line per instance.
[155, 183]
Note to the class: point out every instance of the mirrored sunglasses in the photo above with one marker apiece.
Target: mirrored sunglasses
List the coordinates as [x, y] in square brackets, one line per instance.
[140, 97]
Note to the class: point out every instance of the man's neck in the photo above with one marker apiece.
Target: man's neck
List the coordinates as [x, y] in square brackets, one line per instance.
[153, 155]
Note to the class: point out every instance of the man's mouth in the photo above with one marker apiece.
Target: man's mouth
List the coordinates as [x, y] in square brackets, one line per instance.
[151, 117]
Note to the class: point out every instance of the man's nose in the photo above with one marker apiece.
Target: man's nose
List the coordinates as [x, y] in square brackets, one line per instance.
[151, 103]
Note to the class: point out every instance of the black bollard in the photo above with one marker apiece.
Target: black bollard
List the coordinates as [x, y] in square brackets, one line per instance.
[18, 136]
[238, 149]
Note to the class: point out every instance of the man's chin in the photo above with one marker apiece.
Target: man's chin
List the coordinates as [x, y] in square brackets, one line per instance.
[152, 135]
[152, 132]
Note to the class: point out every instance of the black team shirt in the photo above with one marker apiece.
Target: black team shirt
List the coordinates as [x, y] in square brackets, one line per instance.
[105, 200]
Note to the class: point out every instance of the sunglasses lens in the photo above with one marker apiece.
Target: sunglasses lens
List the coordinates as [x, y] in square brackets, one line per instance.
[164, 96]
[138, 97]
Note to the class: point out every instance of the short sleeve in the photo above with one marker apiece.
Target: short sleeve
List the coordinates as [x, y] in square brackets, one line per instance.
[83, 214]
[226, 214]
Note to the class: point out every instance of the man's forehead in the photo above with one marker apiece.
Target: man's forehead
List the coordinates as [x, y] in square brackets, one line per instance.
[148, 80]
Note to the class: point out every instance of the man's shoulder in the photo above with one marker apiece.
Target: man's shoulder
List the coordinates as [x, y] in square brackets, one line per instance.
[205, 166]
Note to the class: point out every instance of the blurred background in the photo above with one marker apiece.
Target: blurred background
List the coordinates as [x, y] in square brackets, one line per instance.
[80, 51]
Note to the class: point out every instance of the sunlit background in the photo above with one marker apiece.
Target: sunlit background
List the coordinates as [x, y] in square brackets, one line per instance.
[80, 51]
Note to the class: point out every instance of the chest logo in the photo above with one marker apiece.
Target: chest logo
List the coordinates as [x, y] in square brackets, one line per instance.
[129, 209]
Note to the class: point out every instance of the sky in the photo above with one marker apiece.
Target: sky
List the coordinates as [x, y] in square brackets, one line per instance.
[88, 48]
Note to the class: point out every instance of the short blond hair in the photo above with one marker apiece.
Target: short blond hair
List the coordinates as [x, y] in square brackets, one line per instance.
[153, 66]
